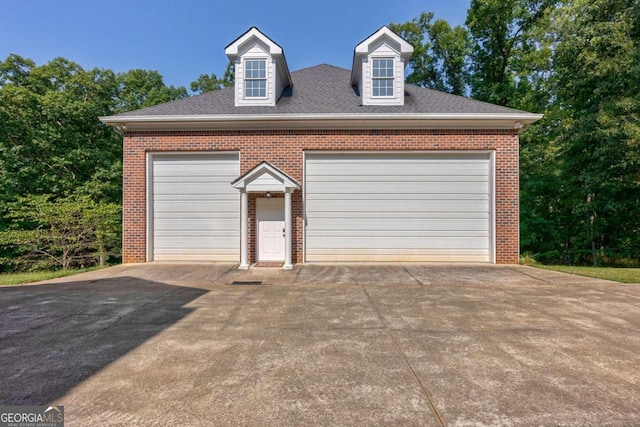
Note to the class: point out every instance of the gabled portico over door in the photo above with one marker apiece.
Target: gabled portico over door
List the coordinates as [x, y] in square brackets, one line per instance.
[264, 178]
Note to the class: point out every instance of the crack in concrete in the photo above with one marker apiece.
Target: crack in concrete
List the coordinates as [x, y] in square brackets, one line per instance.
[420, 282]
[426, 392]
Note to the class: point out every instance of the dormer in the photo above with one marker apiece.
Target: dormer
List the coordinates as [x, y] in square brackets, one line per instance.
[261, 72]
[378, 68]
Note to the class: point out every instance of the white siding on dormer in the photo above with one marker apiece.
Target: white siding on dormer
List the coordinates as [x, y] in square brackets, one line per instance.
[253, 45]
[366, 91]
[255, 51]
[279, 86]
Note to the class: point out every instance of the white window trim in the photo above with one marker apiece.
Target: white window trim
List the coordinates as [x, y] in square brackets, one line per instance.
[393, 78]
[266, 78]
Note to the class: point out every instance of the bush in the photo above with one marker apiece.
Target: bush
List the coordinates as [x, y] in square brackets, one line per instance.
[584, 257]
[45, 233]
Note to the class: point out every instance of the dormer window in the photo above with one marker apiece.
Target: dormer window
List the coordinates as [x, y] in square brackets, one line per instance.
[382, 77]
[378, 68]
[255, 78]
[261, 71]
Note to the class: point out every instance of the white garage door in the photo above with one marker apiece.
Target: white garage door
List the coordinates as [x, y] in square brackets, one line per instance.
[398, 207]
[195, 212]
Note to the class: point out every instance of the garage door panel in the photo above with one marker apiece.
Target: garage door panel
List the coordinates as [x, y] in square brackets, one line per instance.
[178, 160]
[323, 219]
[178, 242]
[414, 233]
[405, 175]
[203, 225]
[414, 205]
[189, 169]
[436, 255]
[400, 170]
[188, 217]
[395, 242]
[194, 255]
[418, 159]
[195, 209]
[395, 197]
[398, 207]
[207, 188]
[398, 188]
[364, 223]
[212, 205]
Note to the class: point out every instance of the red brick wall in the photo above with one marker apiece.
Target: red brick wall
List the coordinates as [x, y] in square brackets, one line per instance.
[284, 150]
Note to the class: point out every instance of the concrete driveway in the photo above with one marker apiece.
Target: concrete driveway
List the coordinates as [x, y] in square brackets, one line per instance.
[429, 345]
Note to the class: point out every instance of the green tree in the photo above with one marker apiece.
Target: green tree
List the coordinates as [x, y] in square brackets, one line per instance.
[51, 141]
[208, 83]
[144, 88]
[510, 49]
[597, 84]
[440, 51]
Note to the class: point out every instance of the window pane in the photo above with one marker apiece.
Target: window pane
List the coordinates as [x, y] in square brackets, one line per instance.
[382, 87]
[255, 69]
[376, 67]
[382, 68]
[261, 88]
[255, 88]
[388, 85]
[387, 68]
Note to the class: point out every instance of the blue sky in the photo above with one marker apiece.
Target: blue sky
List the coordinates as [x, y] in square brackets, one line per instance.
[183, 39]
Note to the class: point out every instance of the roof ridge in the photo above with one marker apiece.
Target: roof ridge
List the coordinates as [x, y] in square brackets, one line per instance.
[324, 64]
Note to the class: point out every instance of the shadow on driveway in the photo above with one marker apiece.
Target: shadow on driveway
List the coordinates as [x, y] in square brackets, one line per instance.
[52, 337]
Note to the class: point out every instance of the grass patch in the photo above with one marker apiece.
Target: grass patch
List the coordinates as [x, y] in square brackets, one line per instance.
[36, 276]
[623, 275]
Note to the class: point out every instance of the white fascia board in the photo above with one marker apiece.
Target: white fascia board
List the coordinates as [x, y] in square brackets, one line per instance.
[260, 170]
[232, 49]
[324, 121]
[406, 49]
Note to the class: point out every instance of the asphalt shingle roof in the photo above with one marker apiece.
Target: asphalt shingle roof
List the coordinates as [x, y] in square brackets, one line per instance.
[324, 89]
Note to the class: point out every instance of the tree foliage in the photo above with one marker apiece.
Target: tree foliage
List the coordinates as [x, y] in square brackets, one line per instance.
[143, 88]
[597, 82]
[439, 55]
[509, 48]
[51, 141]
[46, 233]
[208, 83]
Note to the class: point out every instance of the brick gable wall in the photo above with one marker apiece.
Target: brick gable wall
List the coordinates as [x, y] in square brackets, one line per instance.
[284, 150]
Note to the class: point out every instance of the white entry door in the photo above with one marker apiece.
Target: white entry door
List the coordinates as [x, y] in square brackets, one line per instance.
[270, 217]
